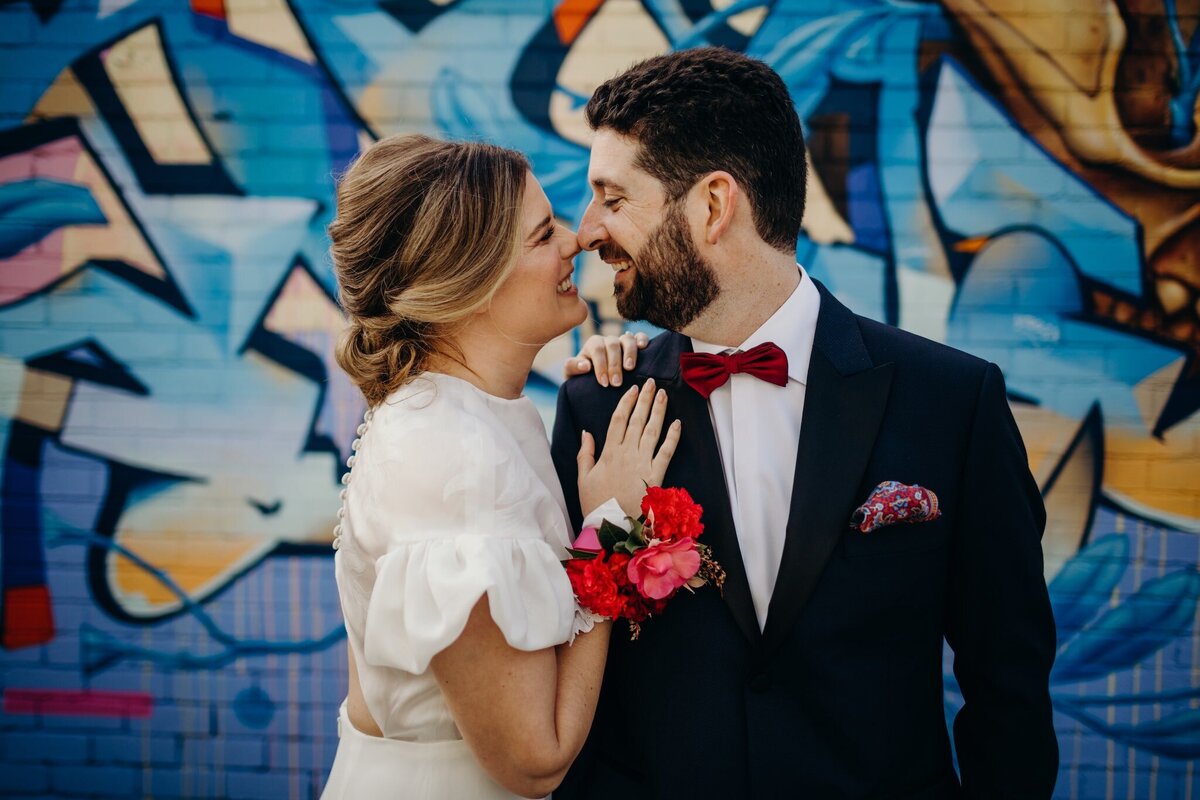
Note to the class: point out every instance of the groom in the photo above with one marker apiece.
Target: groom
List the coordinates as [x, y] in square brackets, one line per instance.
[818, 673]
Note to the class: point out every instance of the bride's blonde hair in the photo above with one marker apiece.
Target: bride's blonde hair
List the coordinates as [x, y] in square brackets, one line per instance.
[425, 233]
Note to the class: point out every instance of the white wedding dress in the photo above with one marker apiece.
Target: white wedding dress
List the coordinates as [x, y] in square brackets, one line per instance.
[451, 494]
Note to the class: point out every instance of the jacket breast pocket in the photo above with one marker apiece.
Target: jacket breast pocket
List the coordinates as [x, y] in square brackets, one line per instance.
[895, 540]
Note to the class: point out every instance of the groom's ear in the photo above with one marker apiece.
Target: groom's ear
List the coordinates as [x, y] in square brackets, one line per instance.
[721, 194]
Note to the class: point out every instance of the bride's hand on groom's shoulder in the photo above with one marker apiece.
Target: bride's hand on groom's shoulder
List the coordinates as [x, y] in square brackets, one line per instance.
[632, 457]
[609, 357]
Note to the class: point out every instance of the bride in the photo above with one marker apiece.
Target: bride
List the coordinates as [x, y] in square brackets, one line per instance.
[454, 273]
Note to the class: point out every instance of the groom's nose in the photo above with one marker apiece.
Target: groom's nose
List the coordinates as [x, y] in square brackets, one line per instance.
[591, 233]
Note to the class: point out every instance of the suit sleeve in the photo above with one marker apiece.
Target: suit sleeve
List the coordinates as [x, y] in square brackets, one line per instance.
[1000, 625]
[564, 447]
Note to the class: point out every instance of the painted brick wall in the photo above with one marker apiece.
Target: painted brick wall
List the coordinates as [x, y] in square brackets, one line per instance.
[1019, 179]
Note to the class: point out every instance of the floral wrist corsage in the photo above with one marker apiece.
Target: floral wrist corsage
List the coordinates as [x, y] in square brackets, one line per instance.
[632, 574]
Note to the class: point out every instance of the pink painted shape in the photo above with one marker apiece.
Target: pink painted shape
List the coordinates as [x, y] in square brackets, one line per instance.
[41, 262]
[32, 269]
[18, 167]
[59, 702]
[56, 160]
[59, 159]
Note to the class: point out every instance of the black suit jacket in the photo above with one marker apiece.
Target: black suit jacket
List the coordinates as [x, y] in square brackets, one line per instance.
[842, 694]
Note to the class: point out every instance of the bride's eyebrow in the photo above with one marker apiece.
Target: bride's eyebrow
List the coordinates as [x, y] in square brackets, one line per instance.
[540, 227]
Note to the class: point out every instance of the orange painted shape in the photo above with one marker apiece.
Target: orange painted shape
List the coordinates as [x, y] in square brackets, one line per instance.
[571, 15]
[197, 565]
[28, 618]
[210, 8]
[302, 307]
[972, 245]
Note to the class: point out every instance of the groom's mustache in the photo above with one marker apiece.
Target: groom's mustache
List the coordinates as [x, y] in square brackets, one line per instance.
[610, 252]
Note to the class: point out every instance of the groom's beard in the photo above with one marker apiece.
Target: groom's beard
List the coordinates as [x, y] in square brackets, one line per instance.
[672, 283]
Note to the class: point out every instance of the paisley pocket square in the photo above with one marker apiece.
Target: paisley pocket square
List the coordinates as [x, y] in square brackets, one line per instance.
[893, 502]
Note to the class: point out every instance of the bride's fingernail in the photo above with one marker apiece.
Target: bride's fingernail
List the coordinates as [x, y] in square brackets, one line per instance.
[583, 364]
[629, 363]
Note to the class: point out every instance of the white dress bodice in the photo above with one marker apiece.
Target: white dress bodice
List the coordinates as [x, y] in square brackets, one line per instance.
[451, 494]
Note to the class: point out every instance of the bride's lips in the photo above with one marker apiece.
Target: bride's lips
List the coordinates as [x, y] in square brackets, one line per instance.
[566, 287]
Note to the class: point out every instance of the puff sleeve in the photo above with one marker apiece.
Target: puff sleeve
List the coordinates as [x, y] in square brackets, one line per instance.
[440, 513]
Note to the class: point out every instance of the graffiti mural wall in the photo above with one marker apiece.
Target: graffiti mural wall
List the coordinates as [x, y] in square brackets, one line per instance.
[1019, 180]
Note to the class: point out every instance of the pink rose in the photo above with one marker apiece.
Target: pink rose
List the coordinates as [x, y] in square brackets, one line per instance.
[659, 570]
[587, 540]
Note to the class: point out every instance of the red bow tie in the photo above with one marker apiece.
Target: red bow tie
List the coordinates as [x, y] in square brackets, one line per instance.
[707, 372]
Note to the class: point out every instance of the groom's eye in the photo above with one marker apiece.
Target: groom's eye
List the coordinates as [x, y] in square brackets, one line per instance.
[611, 203]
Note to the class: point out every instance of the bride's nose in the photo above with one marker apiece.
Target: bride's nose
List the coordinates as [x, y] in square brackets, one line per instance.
[570, 244]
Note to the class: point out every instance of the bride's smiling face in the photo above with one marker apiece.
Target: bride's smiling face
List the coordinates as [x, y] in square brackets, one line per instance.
[539, 301]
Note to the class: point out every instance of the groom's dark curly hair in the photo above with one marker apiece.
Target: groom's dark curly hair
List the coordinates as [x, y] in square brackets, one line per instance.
[706, 109]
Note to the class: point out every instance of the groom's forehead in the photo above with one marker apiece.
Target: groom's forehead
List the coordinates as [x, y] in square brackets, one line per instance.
[612, 165]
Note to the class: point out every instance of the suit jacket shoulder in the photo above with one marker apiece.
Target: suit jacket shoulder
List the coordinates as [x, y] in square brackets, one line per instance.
[659, 360]
[937, 363]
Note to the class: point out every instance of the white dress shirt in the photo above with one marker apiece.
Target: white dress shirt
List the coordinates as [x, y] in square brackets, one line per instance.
[757, 425]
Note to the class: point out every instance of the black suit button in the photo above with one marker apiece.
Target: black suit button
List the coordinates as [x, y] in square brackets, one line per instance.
[760, 683]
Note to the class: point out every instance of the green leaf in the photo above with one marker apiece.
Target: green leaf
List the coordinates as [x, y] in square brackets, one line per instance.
[609, 534]
[637, 531]
[584, 554]
[625, 546]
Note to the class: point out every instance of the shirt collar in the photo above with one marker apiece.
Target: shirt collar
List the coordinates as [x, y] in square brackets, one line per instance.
[793, 327]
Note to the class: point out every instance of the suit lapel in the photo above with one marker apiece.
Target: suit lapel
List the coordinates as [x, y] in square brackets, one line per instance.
[697, 468]
[845, 398]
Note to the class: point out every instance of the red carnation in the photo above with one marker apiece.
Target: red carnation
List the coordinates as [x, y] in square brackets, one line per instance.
[596, 583]
[618, 567]
[675, 514]
[639, 607]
